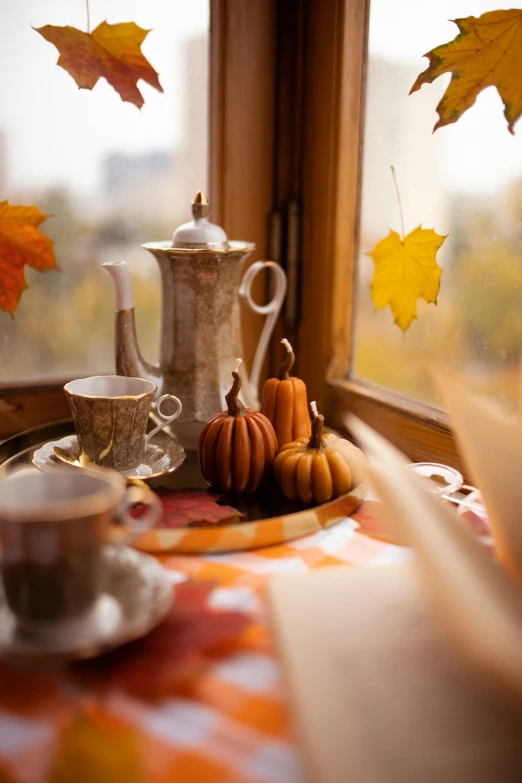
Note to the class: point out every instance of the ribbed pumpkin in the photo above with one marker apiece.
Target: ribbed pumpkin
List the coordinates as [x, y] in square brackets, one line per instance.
[285, 402]
[319, 469]
[237, 447]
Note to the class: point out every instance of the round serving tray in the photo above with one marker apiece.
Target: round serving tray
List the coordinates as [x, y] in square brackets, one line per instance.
[268, 518]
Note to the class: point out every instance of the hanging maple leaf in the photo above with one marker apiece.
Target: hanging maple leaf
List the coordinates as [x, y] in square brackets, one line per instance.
[406, 270]
[486, 52]
[173, 654]
[21, 242]
[111, 51]
[190, 507]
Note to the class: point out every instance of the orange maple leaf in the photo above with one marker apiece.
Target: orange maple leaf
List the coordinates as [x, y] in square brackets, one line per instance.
[21, 242]
[111, 51]
[487, 52]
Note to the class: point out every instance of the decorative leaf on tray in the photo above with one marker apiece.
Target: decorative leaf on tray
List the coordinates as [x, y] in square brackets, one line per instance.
[111, 51]
[97, 747]
[173, 654]
[487, 52]
[21, 242]
[191, 507]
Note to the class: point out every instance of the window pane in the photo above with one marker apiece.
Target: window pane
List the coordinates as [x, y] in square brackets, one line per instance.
[465, 180]
[112, 176]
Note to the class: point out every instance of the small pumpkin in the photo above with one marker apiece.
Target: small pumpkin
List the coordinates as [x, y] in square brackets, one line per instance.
[285, 402]
[318, 469]
[237, 447]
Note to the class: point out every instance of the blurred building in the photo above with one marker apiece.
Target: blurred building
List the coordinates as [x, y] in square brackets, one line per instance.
[192, 172]
[156, 188]
[139, 187]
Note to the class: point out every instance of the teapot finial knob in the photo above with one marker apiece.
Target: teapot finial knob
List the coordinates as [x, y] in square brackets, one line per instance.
[200, 206]
[199, 231]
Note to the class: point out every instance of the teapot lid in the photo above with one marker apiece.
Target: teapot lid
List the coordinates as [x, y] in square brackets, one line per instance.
[199, 231]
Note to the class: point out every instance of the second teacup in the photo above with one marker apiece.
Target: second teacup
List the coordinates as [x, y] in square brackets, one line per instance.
[110, 417]
[53, 528]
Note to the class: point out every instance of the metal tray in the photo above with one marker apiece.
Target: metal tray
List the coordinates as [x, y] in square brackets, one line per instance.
[268, 517]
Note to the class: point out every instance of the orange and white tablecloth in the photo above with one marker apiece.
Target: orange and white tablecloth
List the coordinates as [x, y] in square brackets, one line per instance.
[232, 726]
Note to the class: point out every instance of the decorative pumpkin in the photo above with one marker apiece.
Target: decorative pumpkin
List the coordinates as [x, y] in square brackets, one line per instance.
[237, 447]
[285, 402]
[319, 469]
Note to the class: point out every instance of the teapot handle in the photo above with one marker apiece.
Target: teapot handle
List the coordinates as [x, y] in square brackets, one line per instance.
[272, 309]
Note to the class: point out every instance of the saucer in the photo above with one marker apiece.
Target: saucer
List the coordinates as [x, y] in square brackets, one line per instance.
[138, 596]
[162, 456]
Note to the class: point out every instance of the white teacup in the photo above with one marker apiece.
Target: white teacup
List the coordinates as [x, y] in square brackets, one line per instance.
[110, 417]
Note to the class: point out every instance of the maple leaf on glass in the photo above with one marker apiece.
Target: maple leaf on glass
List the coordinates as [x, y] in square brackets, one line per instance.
[21, 243]
[406, 270]
[487, 52]
[175, 653]
[111, 51]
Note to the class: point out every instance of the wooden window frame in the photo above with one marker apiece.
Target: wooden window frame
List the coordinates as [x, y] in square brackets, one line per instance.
[287, 85]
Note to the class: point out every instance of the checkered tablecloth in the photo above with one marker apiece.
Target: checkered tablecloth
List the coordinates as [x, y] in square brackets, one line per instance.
[233, 726]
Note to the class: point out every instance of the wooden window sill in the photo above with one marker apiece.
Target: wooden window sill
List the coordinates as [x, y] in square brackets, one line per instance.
[30, 403]
[421, 431]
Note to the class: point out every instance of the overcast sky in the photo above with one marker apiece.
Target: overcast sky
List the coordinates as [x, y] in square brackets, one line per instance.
[57, 133]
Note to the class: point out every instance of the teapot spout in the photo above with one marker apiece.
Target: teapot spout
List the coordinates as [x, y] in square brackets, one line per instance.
[129, 360]
[119, 271]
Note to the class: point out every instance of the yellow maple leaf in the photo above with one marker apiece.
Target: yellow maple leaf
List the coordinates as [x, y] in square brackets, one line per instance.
[111, 51]
[406, 270]
[486, 52]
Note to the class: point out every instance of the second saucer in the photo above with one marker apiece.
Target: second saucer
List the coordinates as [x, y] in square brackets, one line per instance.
[162, 456]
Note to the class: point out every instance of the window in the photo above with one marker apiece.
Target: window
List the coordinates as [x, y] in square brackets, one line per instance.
[465, 180]
[238, 109]
[111, 176]
[334, 95]
[308, 105]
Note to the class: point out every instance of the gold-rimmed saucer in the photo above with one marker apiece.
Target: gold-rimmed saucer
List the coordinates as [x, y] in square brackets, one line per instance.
[138, 595]
[162, 456]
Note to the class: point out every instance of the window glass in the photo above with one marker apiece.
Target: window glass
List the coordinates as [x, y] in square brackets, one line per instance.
[111, 176]
[464, 180]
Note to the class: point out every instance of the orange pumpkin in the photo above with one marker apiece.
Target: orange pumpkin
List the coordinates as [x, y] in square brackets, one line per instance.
[318, 469]
[237, 447]
[285, 402]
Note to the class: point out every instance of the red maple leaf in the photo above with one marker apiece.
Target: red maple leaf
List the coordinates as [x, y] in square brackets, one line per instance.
[188, 507]
[173, 654]
[111, 51]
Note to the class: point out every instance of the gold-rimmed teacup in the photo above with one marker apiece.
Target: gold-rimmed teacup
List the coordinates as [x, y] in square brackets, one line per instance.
[110, 415]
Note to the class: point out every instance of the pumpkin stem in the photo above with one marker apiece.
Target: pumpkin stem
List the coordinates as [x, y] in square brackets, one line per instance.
[285, 367]
[316, 440]
[234, 404]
